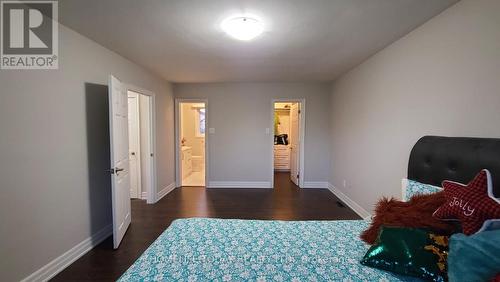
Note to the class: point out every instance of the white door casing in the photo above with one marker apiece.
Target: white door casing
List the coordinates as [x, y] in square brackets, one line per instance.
[134, 145]
[120, 177]
[294, 143]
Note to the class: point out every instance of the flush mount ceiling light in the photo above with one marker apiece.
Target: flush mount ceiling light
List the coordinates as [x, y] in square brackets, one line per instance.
[242, 27]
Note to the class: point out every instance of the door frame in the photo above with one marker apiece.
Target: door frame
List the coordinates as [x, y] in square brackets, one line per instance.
[178, 101]
[151, 197]
[302, 131]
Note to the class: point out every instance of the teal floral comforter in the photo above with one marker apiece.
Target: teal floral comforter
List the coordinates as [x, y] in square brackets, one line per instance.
[203, 249]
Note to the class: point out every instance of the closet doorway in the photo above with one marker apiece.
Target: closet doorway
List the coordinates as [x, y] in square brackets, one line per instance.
[191, 142]
[288, 146]
[140, 135]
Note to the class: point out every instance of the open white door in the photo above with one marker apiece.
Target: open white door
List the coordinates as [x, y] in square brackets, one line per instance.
[120, 177]
[294, 143]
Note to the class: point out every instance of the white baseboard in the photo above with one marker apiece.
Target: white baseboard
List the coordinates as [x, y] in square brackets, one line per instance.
[60, 263]
[315, 184]
[349, 202]
[165, 191]
[239, 184]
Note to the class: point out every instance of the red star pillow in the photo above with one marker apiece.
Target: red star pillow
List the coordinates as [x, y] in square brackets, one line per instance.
[473, 204]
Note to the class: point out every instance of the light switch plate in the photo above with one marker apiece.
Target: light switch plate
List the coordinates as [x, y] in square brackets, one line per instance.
[268, 130]
[211, 130]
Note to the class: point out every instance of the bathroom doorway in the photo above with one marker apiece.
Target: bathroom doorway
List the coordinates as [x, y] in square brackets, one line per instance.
[191, 140]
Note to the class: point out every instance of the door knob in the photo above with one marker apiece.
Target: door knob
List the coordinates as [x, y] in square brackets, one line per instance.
[119, 169]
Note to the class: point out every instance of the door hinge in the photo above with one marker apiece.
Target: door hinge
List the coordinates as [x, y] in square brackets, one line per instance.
[298, 176]
[299, 111]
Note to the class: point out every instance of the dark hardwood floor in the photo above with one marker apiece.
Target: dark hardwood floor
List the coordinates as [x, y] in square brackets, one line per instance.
[285, 202]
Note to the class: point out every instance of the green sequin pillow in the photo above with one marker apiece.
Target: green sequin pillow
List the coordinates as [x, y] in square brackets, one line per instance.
[409, 251]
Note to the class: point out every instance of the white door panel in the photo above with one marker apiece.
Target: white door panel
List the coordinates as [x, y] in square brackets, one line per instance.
[120, 177]
[294, 143]
[134, 145]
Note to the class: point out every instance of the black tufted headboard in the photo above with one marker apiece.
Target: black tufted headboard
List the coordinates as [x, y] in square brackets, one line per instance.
[434, 159]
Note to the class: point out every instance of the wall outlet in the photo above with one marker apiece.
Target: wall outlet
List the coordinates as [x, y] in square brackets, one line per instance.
[211, 130]
[345, 183]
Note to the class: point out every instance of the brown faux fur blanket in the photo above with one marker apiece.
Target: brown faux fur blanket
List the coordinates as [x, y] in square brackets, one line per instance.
[416, 213]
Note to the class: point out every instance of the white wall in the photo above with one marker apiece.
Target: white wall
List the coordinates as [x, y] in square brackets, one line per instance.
[55, 147]
[442, 79]
[240, 149]
[189, 120]
[284, 125]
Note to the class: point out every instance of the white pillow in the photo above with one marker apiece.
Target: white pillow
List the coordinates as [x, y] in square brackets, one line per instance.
[411, 188]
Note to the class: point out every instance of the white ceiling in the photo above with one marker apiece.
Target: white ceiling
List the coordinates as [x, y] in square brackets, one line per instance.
[305, 40]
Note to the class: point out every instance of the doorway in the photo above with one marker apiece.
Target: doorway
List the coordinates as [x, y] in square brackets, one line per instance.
[288, 146]
[191, 143]
[140, 135]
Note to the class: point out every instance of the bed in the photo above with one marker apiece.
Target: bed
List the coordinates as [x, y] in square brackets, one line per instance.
[203, 249]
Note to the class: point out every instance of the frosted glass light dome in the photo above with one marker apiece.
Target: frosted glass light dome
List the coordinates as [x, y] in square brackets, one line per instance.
[242, 27]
